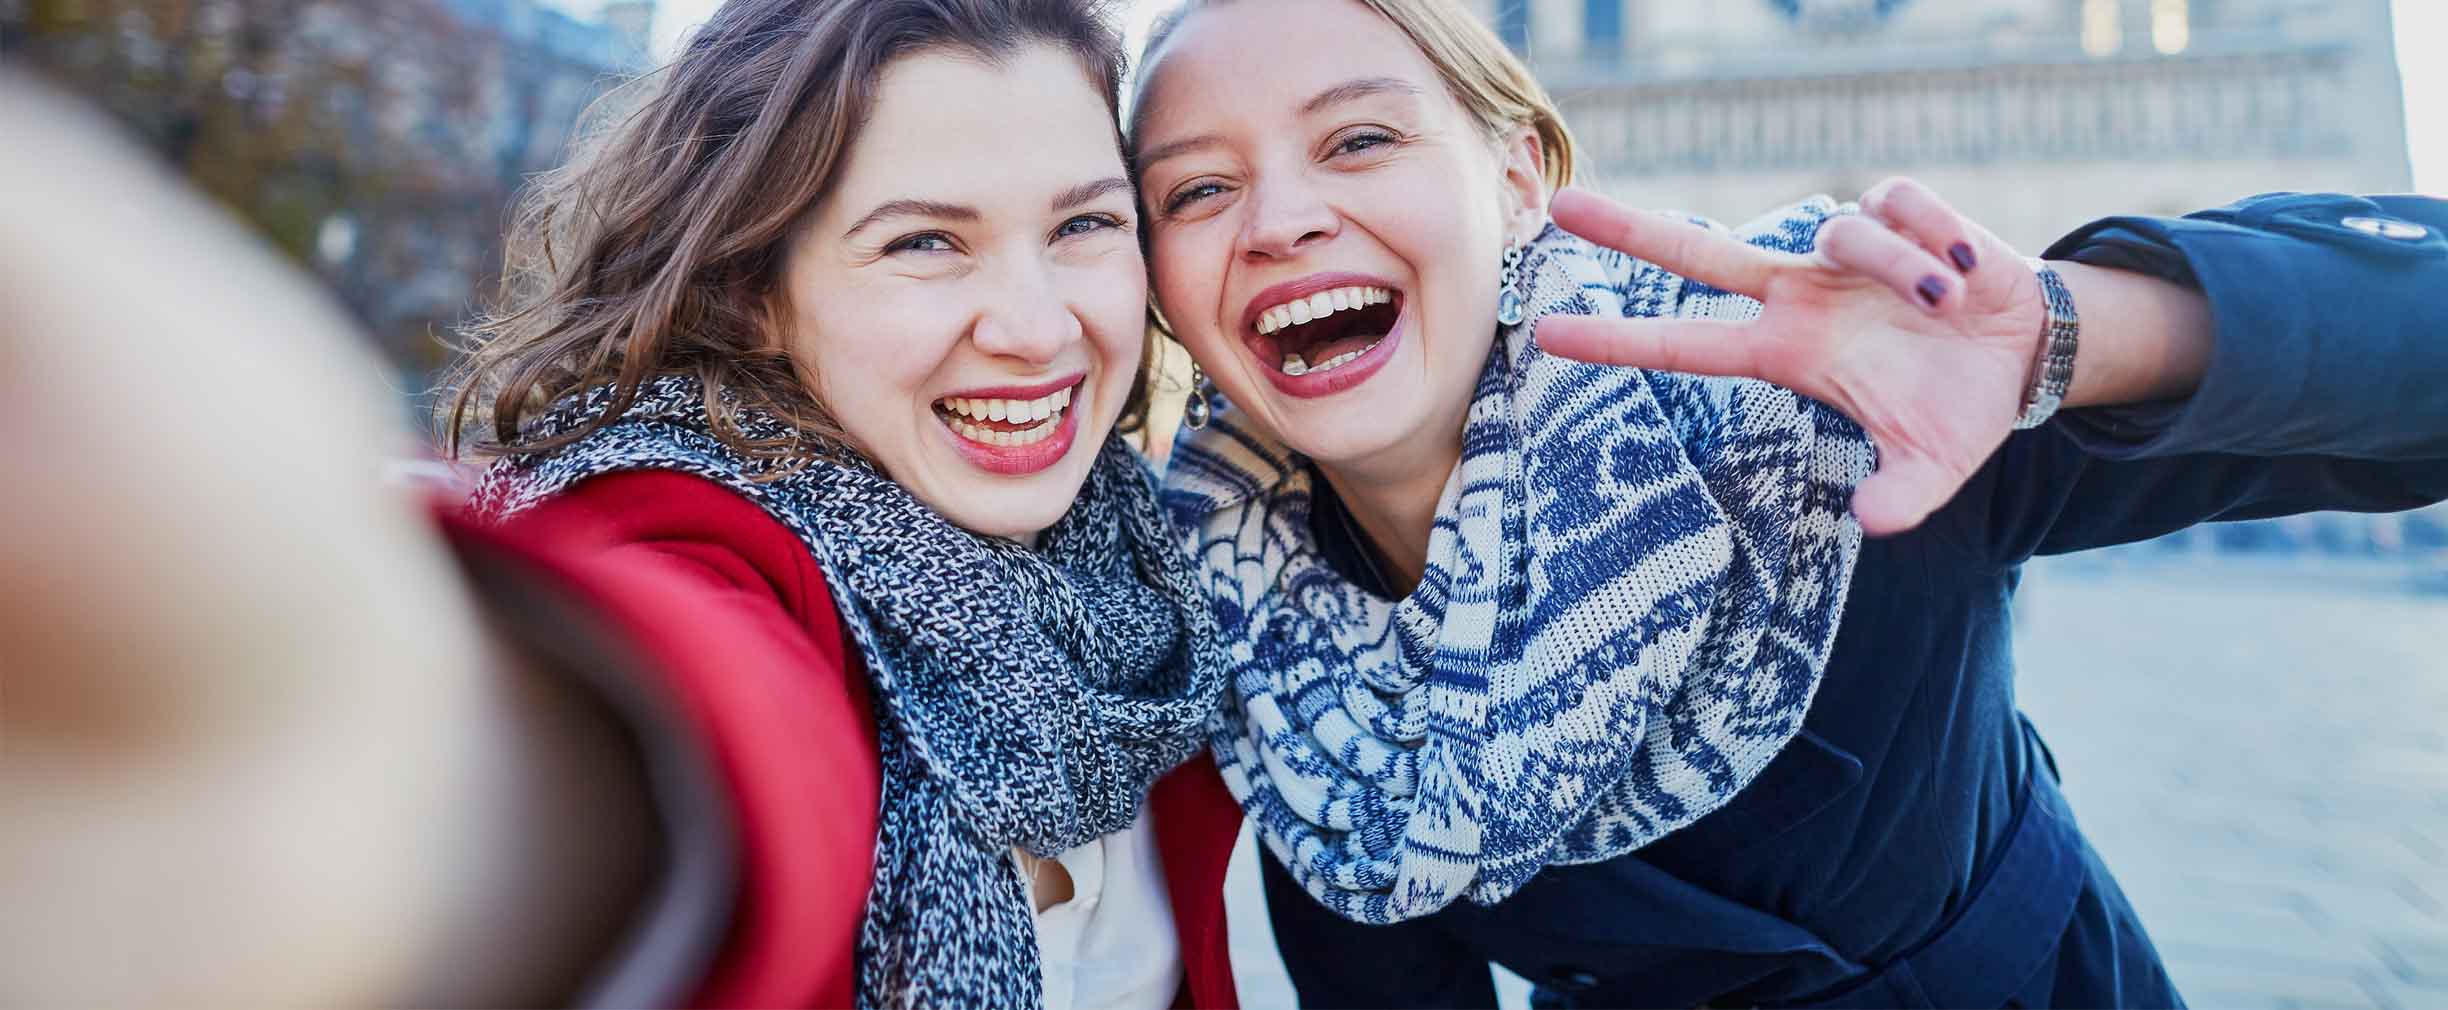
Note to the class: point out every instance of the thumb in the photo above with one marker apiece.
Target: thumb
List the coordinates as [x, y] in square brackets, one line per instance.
[1904, 491]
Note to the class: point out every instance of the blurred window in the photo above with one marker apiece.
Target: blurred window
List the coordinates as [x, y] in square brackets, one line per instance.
[1602, 24]
[1513, 23]
[2103, 29]
[2171, 26]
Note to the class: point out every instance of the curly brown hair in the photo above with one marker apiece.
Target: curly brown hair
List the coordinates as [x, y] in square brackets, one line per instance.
[658, 248]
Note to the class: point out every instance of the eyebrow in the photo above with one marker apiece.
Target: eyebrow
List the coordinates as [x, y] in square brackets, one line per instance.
[914, 208]
[1348, 91]
[1087, 191]
[1356, 89]
[1149, 159]
[1065, 200]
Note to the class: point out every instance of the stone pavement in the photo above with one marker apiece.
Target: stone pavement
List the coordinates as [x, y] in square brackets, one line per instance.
[2260, 753]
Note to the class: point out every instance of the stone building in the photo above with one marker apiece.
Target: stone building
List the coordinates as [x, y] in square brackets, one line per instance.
[2032, 115]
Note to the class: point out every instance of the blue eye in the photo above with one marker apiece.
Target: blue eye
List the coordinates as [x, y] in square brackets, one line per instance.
[1085, 224]
[1191, 194]
[1362, 141]
[930, 241]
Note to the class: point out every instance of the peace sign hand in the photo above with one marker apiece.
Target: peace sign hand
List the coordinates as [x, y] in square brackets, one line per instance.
[1918, 324]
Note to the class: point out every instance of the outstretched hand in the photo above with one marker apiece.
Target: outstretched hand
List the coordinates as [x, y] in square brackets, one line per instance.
[1918, 324]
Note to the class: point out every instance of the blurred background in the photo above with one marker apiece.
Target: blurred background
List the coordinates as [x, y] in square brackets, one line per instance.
[2252, 718]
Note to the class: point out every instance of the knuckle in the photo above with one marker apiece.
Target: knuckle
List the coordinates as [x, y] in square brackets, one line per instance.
[1878, 193]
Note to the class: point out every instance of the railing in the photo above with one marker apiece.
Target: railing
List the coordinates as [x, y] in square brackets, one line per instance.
[2276, 103]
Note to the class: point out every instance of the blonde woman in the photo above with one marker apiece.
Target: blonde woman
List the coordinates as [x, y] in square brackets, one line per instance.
[1644, 683]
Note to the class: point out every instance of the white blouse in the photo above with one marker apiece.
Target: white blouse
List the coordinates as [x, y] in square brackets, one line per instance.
[1112, 945]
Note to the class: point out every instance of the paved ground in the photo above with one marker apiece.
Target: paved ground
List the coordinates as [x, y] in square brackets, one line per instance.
[2261, 755]
[2259, 751]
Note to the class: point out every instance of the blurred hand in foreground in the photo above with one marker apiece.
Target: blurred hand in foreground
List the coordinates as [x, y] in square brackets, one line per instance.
[253, 750]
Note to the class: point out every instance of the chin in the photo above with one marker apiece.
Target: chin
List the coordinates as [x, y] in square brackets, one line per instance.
[1015, 508]
[1355, 437]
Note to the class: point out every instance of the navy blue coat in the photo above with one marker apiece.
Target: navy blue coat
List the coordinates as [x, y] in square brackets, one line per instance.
[1910, 847]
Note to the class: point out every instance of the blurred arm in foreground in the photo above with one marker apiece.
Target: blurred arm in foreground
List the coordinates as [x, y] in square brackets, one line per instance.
[256, 744]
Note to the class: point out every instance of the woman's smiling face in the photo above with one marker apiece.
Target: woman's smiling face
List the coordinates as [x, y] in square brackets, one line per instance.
[968, 300]
[1327, 223]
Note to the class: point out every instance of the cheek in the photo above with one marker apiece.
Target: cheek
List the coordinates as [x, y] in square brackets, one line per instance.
[871, 357]
[1111, 300]
[1188, 279]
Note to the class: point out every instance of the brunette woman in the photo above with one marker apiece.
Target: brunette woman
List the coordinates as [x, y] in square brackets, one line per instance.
[879, 652]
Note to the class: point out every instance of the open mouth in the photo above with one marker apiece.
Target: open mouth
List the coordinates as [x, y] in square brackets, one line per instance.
[1005, 422]
[1322, 331]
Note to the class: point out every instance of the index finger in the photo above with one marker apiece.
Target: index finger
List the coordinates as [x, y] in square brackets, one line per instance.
[1718, 260]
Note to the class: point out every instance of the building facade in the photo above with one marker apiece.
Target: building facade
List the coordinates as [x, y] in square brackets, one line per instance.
[2032, 115]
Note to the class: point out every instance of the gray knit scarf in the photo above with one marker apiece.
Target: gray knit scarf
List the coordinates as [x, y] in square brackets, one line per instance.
[1633, 583]
[1024, 697]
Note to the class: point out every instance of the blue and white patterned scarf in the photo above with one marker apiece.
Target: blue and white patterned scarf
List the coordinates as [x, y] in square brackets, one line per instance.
[1023, 697]
[1632, 587]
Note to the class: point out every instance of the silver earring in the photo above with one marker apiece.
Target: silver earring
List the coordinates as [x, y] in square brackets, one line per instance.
[1508, 286]
[1197, 412]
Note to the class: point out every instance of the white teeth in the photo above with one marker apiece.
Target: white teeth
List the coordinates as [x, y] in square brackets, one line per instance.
[1293, 365]
[1045, 411]
[1319, 306]
[991, 436]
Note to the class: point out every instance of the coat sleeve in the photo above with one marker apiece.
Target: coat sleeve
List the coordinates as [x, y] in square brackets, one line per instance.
[732, 617]
[2327, 386]
[2330, 339]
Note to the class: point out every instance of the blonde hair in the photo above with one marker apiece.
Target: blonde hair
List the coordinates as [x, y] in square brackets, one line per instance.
[1492, 84]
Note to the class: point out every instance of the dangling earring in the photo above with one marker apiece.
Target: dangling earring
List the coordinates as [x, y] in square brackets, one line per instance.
[1508, 286]
[1197, 412]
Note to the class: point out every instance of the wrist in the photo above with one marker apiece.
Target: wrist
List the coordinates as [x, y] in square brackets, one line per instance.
[2144, 339]
[2051, 374]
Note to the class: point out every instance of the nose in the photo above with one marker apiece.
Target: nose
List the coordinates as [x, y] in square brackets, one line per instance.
[1286, 217]
[1027, 317]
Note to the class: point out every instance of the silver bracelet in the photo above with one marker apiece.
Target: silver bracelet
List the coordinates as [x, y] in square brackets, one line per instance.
[2053, 367]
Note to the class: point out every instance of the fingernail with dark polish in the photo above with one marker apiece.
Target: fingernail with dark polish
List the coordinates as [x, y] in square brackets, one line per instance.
[1962, 255]
[1931, 289]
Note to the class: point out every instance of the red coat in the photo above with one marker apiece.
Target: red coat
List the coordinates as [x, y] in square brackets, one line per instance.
[731, 607]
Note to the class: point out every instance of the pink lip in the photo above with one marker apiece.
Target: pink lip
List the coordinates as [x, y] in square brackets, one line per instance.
[1017, 392]
[1019, 460]
[1342, 377]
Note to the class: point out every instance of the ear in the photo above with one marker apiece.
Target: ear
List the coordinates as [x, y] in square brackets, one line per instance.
[1524, 182]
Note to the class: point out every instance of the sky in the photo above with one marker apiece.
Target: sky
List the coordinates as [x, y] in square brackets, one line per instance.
[2425, 75]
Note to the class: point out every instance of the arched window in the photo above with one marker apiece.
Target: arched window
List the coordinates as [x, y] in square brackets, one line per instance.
[2103, 27]
[2171, 26]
